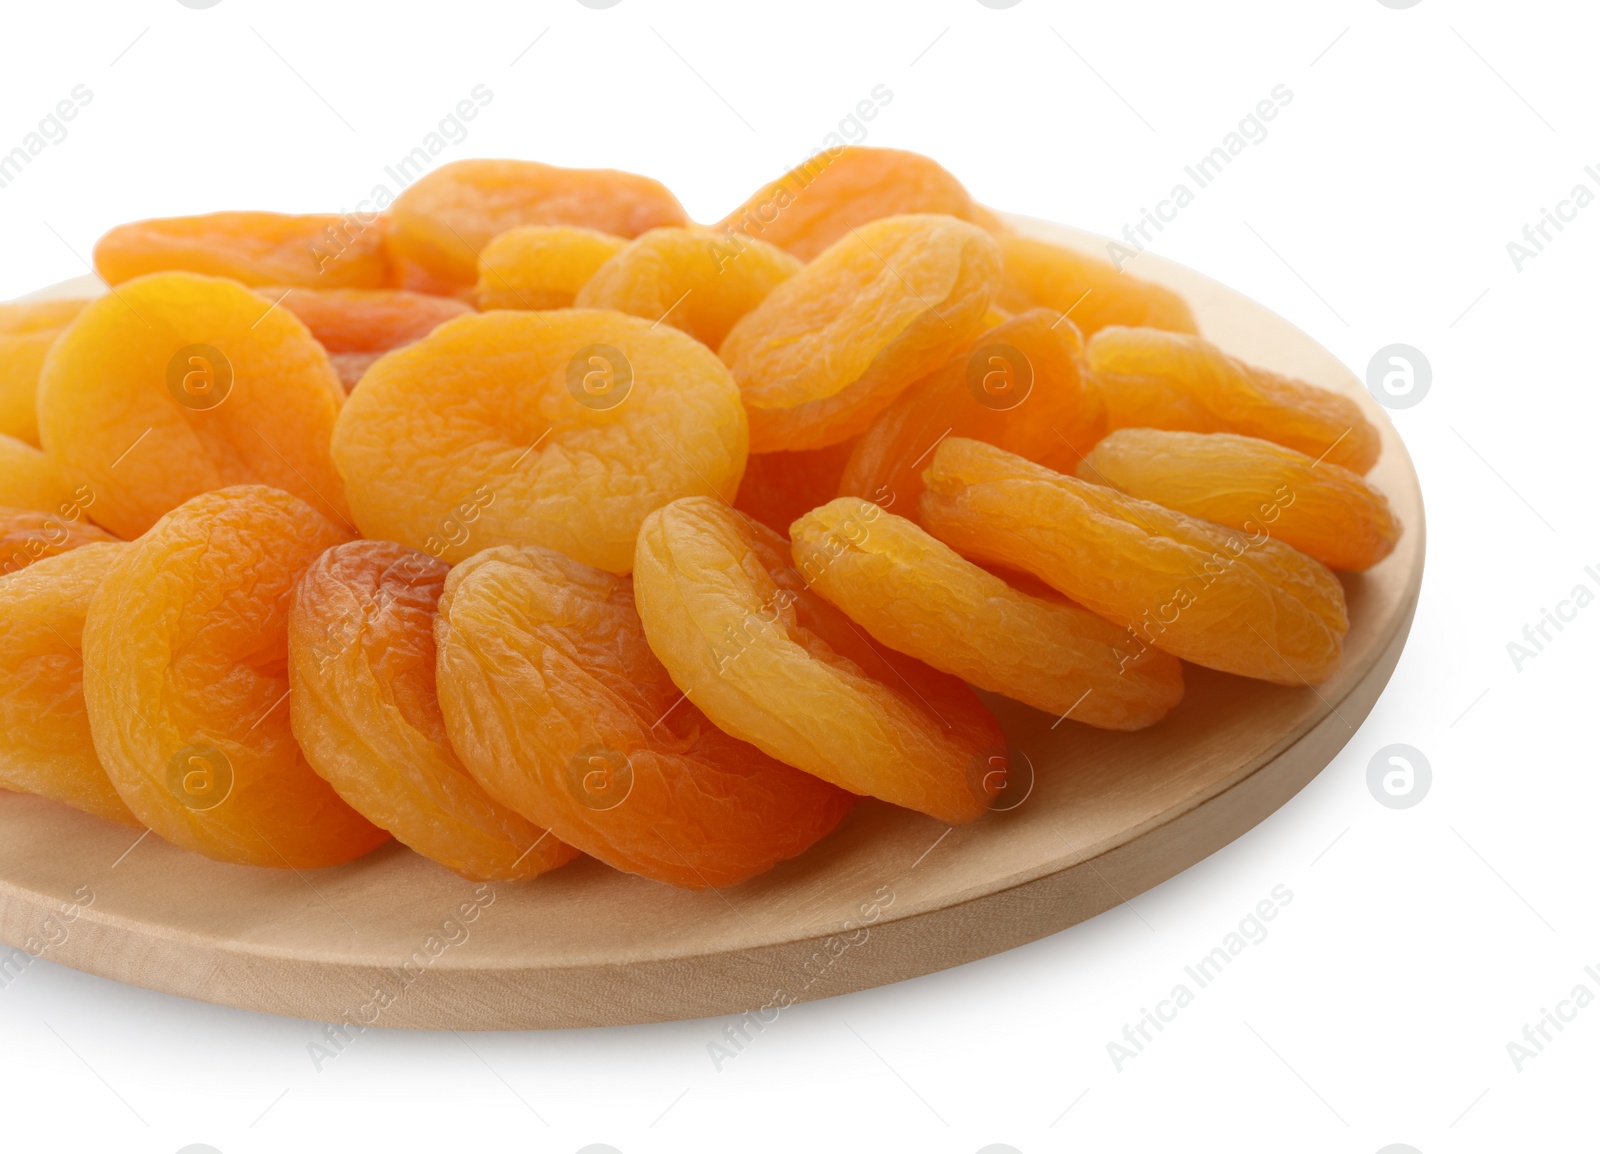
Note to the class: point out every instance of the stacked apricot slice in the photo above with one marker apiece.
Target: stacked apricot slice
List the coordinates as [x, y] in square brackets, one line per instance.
[526, 519]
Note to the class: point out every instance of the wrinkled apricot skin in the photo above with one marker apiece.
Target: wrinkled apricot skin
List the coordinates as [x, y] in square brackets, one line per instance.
[29, 535]
[541, 266]
[1246, 605]
[772, 663]
[562, 428]
[31, 480]
[918, 596]
[178, 384]
[364, 709]
[185, 652]
[48, 749]
[443, 221]
[1020, 386]
[778, 487]
[833, 345]
[1321, 509]
[810, 207]
[357, 326]
[688, 279]
[254, 248]
[1091, 291]
[1159, 380]
[557, 704]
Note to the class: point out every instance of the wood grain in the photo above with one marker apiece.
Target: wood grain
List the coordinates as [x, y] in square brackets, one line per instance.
[889, 896]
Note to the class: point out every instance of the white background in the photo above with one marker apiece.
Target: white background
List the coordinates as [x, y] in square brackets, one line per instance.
[1419, 941]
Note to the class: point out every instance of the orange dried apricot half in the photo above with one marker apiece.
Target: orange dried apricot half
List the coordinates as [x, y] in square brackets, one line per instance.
[778, 487]
[774, 664]
[365, 710]
[357, 326]
[918, 596]
[831, 346]
[48, 749]
[559, 708]
[1160, 380]
[38, 316]
[1020, 386]
[1091, 291]
[1319, 508]
[185, 653]
[689, 279]
[27, 330]
[1246, 605]
[31, 480]
[443, 221]
[560, 428]
[29, 535]
[255, 248]
[812, 206]
[541, 266]
[177, 384]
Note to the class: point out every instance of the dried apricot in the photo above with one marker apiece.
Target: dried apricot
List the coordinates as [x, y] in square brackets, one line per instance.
[27, 330]
[557, 705]
[1093, 292]
[560, 428]
[1161, 380]
[774, 664]
[29, 535]
[31, 480]
[177, 384]
[688, 279]
[1251, 606]
[831, 346]
[1021, 386]
[443, 221]
[778, 487]
[541, 266]
[1319, 508]
[364, 708]
[255, 248]
[48, 749]
[815, 204]
[918, 596]
[185, 652]
[38, 316]
[357, 326]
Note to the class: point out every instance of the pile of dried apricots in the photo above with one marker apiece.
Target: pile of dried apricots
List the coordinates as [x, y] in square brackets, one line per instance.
[530, 519]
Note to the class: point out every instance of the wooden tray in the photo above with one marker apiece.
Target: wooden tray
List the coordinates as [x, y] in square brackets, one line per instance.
[387, 940]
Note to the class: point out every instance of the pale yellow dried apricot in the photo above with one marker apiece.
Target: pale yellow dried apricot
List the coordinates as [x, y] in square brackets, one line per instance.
[1246, 605]
[774, 664]
[540, 266]
[918, 596]
[48, 749]
[254, 248]
[689, 279]
[833, 345]
[185, 653]
[27, 330]
[561, 428]
[365, 710]
[1094, 293]
[31, 480]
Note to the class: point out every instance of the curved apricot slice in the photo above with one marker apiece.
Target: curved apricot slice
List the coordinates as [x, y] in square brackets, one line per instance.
[1251, 606]
[31, 480]
[831, 346]
[812, 206]
[541, 266]
[918, 596]
[255, 248]
[1089, 290]
[557, 705]
[185, 652]
[1321, 509]
[48, 749]
[689, 279]
[365, 710]
[778, 487]
[29, 535]
[177, 384]
[1159, 380]
[774, 664]
[443, 221]
[560, 428]
[1021, 386]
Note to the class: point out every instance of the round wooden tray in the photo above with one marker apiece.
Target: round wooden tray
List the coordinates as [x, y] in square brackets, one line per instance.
[394, 940]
